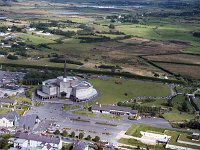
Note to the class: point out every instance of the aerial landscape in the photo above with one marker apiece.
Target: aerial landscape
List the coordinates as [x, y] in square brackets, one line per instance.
[99, 74]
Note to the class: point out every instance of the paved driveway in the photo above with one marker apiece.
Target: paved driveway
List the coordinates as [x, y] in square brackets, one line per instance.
[54, 112]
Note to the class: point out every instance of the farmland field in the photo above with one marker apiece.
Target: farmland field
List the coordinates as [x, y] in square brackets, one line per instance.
[180, 58]
[185, 70]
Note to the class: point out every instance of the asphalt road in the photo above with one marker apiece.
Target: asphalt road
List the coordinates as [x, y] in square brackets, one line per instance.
[53, 112]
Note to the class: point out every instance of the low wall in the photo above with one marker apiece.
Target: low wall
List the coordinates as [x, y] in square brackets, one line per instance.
[178, 147]
[190, 143]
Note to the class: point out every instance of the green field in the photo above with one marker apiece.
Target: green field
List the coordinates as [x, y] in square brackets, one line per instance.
[181, 32]
[113, 90]
[174, 137]
[178, 117]
[38, 39]
[112, 36]
[155, 102]
[188, 138]
[110, 117]
[175, 114]
[134, 130]
[23, 100]
[6, 110]
[70, 107]
[135, 143]
[84, 113]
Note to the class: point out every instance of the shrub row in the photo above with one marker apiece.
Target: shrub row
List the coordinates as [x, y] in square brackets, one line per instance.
[61, 60]
[122, 74]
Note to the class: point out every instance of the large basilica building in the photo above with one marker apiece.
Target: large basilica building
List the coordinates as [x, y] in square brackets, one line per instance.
[66, 87]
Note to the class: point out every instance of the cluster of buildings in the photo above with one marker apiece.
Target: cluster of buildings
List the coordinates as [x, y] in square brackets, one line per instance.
[9, 119]
[32, 141]
[12, 119]
[7, 36]
[66, 87]
[8, 86]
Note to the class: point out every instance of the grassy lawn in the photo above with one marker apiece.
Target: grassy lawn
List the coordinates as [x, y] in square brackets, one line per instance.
[22, 99]
[188, 138]
[84, 113]
[178, 100]
[174, 137]
[133, 142]
[134, 130]
[38, 39]
[112, 36]
[106, 124]
[70, 107]
[175, 114]
[80, 19]
[113, 90]
[197, 101]
[4, 110]
[156, 102]
[20, 111]
[110, 117]
[178, 117]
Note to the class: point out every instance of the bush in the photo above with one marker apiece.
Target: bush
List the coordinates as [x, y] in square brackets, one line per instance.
[3, 143]
[57, 132]
[88, 138]
[3, 53]
[81, 135]
[96, 139]
[73, 134]
[61, 60]
[196, 34]
[12, 57]
[193, 124]
[65, 133]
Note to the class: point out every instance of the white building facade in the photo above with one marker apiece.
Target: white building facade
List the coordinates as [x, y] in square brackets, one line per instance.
[33, 141]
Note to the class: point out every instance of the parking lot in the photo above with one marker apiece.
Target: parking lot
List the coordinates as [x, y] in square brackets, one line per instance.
[52, 113]
[7, 76]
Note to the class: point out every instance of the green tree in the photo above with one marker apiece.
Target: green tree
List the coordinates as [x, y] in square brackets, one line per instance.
[169, 103]
[3, 143]
[57, 132]
[65, 133]
[81, 135]
[88, 138]
[184, 107]
[96, 139]
[73, 134]
[111, 26]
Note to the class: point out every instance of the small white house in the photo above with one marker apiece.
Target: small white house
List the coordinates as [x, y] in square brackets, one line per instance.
[9, 120]
[154, 138]
[33, 141]
[6, 123]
